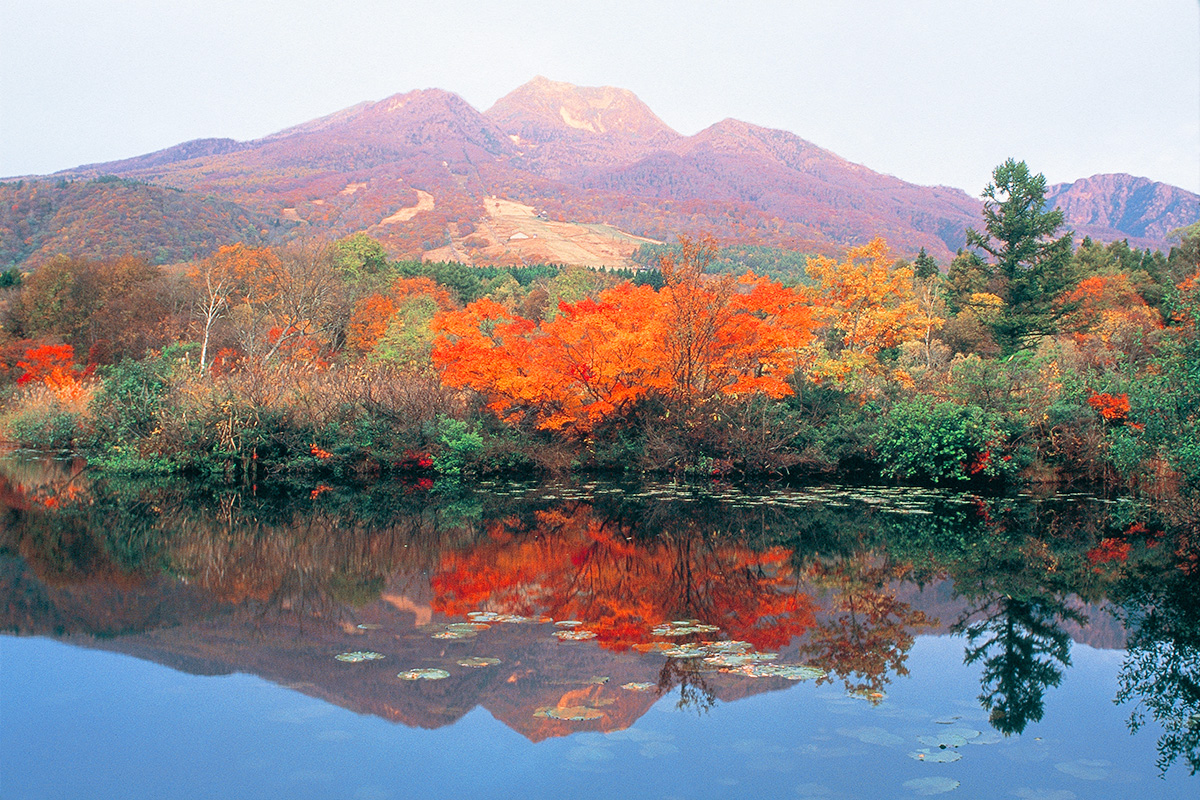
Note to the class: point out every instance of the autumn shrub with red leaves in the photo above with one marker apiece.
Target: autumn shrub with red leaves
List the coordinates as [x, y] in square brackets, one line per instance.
[1112, 407]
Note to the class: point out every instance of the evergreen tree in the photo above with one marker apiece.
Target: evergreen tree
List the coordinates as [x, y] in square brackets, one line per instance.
[1030, 267]
[925, 266]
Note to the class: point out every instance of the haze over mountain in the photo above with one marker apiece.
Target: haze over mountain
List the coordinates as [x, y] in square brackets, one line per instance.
[552, 172]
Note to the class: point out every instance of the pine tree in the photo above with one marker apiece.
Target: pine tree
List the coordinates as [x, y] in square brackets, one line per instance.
[1030, 267]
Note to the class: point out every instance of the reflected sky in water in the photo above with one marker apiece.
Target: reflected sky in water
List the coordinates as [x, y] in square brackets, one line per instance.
[181, 642]
[81, 723]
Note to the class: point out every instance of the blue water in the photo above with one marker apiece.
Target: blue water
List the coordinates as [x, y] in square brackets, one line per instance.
[84, 723]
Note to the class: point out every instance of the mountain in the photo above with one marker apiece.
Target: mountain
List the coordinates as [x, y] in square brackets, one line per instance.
[1145, 210]
[109, 217]
[551, 171]
[784, 177]
[561, 129]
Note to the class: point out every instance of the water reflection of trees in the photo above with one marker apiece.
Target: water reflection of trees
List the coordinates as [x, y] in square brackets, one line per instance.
[1161, 673]
[821, 579]
[1023, 650]
[865, 633]
[567, 562]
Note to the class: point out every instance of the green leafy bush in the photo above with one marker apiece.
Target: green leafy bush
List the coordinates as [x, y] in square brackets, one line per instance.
[460, 445]
[938, 442]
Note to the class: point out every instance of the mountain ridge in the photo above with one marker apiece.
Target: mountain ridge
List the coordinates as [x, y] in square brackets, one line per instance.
[416, 169]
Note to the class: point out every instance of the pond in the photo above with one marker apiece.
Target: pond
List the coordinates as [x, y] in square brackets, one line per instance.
[588, 639]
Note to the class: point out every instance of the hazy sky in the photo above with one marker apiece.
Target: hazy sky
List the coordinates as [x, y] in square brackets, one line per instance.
[932, 91]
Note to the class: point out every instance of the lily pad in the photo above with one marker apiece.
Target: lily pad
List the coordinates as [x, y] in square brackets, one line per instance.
[682, 627]
[873, 736]
[635, 686]
[739, 659]
[455, 635]
[568, 623]
[935, 756]
[574, 635]
[931, 786]
[476, 661]
[573, 713]
[964, 732]
[684, 651]
[423, 675]
[943, 740]
[792, 672]
[467, 627]
[988, 737]
[359, 655]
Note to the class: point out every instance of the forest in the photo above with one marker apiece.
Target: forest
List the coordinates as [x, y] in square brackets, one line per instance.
[1029, 358]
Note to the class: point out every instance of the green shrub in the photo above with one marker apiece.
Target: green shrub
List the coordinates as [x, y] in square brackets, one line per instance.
[45, 427]
[460, 445]
[938, 442]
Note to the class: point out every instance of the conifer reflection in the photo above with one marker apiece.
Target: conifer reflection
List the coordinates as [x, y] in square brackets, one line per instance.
[1023, 651]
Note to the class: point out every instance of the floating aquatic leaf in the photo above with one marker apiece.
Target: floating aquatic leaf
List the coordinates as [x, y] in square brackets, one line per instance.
[466, 627]
[739, 659]
[359, 655]
[598, 680]
[792, 672]
[568, 623]
[423, 675]
[684, 651]
[935, 756]
[988, 737]
[368, 626]
[931, 786]
[573, 713]
[455, 635]
[476, 661]
[964, 732]
[796, 672]
[683, 627]
[948, 720]
[485, 616]
[943, 740]
[639, 687]
[574, 635]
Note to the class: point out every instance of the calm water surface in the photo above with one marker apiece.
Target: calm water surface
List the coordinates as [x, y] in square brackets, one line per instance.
[167, 641]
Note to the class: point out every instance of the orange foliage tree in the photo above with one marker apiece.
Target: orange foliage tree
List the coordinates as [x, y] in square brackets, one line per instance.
[52, 365]
[374, 314]
[691, 342]
[1111, 318]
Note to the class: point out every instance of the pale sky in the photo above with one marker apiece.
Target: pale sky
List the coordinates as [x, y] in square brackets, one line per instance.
[931, 91]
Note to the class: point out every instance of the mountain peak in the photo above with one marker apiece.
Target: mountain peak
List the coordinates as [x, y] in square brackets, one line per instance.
[1137, 206]
[543, 110]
